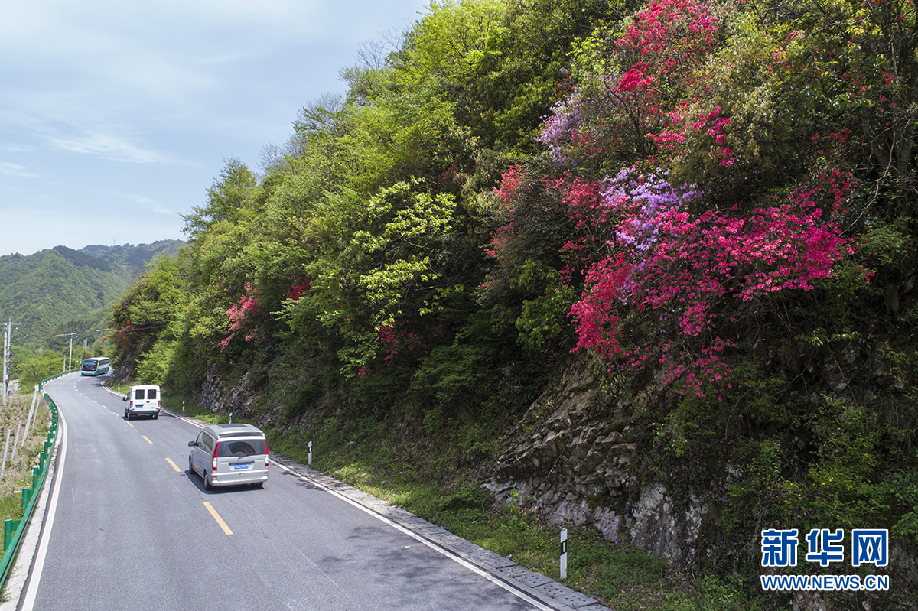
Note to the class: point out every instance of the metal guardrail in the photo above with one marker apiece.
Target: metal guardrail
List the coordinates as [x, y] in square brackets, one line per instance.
[13, 530]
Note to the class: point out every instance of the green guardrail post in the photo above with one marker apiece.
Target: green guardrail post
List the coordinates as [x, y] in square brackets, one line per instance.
[8, 530]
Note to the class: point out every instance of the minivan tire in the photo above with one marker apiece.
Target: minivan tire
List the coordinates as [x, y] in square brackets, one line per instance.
[207, 484]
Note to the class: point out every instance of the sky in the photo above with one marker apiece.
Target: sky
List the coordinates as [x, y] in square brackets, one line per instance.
[116, 117]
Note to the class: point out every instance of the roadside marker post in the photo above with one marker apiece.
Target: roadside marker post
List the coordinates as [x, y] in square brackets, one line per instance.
[563, 554]
[309, 456]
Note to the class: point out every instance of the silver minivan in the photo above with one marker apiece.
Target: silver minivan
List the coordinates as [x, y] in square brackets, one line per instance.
[143, 400]
[229, 455]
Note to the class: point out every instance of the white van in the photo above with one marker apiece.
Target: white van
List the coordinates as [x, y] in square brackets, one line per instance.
[229, 455]
[143, 400]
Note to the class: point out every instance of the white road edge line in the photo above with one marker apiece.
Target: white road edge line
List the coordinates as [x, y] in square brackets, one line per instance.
[28, 602]
[445, 552]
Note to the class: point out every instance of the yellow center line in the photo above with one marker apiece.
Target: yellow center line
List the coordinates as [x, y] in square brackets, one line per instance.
[148, 439]
[130, 425]
[174, 466]
[217, 517]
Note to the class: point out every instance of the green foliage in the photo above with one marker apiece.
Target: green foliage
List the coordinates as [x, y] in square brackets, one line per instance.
[543, 321]
[185, 369]
[373, 267]
[33, 366]
[226, 199]
[156, 362]
[903, 487]
[455, 376]
[844, 473]
[150, 310]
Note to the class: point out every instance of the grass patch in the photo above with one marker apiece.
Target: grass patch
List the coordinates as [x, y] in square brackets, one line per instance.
[179, 405]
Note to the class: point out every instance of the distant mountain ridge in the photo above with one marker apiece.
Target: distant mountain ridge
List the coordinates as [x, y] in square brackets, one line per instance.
[62, 290]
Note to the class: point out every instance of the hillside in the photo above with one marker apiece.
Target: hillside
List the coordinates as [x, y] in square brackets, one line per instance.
[61, 290]
[646, 267]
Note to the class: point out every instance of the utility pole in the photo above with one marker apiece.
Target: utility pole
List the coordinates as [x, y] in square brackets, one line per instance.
[7, 332]
[70, 335]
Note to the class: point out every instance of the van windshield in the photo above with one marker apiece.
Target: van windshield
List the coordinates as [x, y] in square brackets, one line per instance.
[241, 447]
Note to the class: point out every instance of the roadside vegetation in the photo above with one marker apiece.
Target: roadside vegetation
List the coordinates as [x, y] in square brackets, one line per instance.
[18, 472]
[714, 201]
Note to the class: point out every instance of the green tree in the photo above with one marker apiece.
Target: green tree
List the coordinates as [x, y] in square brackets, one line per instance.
[33, 366]
[226, 199]
[151, 309]
[373, 265]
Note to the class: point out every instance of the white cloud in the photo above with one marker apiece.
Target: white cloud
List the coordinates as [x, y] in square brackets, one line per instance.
[110, 148]
[14, 169]
[140, 199]
[18, 148]
[148, 203]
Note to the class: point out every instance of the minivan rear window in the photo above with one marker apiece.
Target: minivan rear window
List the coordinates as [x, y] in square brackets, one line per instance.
[240, 448]
[151, 393]
[138, 394]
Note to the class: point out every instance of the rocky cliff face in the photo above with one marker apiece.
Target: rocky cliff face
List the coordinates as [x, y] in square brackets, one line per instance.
[237, 399]
[572, 458]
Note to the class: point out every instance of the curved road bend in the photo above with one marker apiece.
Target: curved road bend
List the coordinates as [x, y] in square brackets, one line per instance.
[132, 529]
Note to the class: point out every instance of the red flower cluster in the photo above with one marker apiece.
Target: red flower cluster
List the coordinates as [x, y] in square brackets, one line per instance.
[238, 313]
[678, 269]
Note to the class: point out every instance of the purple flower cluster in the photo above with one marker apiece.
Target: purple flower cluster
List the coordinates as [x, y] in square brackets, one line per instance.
[652, 198]
[557, 128]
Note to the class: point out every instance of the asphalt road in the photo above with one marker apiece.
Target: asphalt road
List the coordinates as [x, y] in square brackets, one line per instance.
[134, 529]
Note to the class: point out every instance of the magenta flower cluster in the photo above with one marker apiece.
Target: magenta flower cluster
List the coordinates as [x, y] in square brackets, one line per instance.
[238, 313]
[681, 270]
